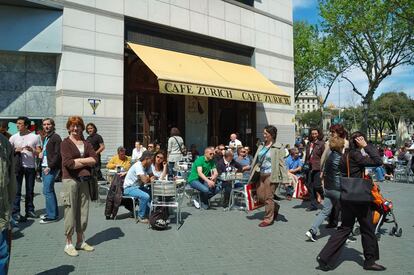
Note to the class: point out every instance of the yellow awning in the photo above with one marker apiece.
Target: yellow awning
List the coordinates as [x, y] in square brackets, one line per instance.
[185, 74]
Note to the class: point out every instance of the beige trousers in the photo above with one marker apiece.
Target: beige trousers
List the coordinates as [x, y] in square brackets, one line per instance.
[75, 196]
[265, 192]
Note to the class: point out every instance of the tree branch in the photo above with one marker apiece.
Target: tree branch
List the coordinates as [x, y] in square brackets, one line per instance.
[353, 87]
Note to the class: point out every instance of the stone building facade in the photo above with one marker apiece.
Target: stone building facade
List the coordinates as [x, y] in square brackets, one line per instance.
[61, 54]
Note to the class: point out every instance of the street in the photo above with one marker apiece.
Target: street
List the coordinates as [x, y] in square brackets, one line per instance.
[209, 242]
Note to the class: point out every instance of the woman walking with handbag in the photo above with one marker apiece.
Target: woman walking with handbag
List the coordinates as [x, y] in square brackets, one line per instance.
[353, 165]
[331, 185]
[78, 158]
[270, 165]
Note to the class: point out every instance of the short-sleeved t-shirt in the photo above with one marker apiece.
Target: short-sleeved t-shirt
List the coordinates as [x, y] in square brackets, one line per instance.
[207, 166]
[95, 140]
[32, 140]
[293, 163]
[134, 172]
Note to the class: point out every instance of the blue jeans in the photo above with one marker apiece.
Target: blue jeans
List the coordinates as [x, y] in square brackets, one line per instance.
[380, 173]
[52, 211]
[205, 192]
[142, 193]
[4, 252]
[29, 178]
[331, 198]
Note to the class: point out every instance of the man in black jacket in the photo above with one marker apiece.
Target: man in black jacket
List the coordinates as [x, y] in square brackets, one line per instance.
[228, 164]
[51, 164]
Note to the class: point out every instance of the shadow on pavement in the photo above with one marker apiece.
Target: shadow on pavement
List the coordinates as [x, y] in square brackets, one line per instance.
[260, 215]
[17, 231]
[303, 204]
[350, 254]
[61, 270]
[106, 235]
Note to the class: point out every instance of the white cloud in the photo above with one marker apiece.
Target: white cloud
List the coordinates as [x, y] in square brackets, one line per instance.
[297, 4]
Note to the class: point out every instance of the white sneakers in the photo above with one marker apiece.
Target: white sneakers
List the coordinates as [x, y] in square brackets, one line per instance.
[72, 251]
[196, 204]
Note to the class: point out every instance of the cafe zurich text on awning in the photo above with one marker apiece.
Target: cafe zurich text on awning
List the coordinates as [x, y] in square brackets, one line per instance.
[185, 74]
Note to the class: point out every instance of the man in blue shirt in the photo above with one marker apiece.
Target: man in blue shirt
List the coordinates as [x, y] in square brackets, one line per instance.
[294, 166]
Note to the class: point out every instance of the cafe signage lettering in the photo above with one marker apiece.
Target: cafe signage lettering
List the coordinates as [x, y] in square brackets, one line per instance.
[178, 88]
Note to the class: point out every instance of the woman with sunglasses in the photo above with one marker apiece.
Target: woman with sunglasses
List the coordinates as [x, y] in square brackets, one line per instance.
[270, 157]
[159, 165]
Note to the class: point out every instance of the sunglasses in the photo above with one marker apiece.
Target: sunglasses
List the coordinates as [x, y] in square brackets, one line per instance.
[244, 152]
[159, 157]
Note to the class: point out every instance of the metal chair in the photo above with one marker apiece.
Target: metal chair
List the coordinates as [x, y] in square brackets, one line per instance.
[402, 171]
[238, 194]
[134, 205]
[164, 194]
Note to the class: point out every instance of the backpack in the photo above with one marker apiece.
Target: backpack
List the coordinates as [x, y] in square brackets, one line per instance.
[158, 218]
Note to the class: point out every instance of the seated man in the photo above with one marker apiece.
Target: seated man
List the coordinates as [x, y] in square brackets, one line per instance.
[218, 153]
[228, 164]
[138, 176]
[294, 165]
[203, 177]
[120, 160]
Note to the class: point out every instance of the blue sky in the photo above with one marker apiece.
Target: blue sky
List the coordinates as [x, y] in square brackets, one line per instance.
[402, 78]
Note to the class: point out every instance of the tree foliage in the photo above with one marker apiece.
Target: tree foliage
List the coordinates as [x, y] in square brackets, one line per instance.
[373, 35]
[305, 49]
[310, 119]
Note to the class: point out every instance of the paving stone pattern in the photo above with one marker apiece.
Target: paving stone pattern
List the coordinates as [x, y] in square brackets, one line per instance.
[209, 242]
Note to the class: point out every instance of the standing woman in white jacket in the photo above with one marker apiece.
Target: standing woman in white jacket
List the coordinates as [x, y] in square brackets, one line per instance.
[176, 149]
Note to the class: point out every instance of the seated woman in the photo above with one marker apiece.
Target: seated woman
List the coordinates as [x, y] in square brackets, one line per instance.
[228, 164]
[159, 165]
[120, 160]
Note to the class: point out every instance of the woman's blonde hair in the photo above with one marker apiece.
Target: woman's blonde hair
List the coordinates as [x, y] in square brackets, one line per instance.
[336, 144]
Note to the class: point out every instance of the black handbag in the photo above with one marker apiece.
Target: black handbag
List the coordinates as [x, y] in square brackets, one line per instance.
[355, 190]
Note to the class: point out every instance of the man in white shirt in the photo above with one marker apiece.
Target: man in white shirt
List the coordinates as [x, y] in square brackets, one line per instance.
[139, 175]
[137, 152]
[26, 147]
[234, 142]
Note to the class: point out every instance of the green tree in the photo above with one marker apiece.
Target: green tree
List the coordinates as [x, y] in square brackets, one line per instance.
[373, 36]
[389, 107]
[352, 118]
[310, 119]
[305, 50]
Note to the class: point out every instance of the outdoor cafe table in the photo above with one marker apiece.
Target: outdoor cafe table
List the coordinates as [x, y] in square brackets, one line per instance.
[232, 178]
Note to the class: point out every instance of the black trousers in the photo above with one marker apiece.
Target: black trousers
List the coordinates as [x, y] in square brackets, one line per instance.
[314, 186]
[334, 216]
[363, 213]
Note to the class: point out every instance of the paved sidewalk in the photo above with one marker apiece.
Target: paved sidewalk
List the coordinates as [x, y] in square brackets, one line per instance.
[209, 242]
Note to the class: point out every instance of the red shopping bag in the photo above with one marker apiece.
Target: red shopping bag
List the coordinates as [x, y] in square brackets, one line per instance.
[251, 196]
[301, 192]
